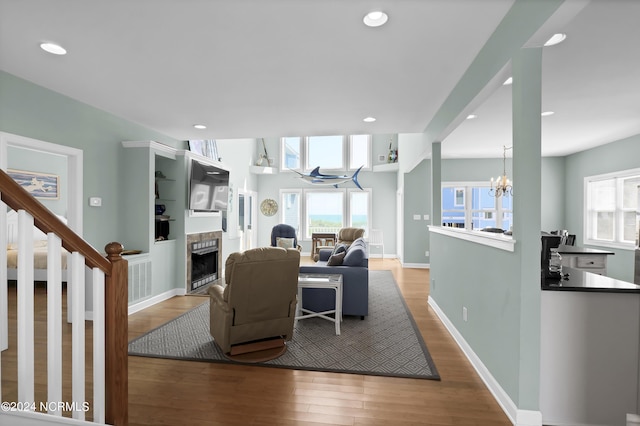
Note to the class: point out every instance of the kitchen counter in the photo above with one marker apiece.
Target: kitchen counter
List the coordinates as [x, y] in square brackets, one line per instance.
[562, 249]
[580, 280]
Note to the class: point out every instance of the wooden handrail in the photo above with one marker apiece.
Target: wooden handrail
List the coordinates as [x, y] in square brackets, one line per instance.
[18, 198]
[116, 299]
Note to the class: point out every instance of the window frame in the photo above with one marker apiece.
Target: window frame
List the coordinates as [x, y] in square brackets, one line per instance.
[346, 147]
[589, 213]
[467, 187]
[303, 211]
[283, 166]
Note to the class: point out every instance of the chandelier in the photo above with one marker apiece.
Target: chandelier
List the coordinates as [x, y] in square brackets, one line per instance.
[502, 184]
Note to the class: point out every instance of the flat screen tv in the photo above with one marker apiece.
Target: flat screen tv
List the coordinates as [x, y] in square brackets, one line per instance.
[208, 187]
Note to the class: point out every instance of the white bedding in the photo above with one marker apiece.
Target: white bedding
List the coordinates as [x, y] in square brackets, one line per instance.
[39, 256]
[39, 250]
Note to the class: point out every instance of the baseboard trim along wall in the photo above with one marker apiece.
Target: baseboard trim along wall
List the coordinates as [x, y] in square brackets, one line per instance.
[517, 417]
[136, 307]
[417, 265]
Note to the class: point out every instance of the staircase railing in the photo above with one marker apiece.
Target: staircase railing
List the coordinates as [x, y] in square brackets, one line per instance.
[109, 279]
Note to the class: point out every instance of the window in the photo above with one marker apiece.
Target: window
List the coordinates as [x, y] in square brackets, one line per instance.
[290, 208]
[330, 153]
[611, 205]
[325, 210]
[326, 152]
[291, 153]
[359, 151]
[359, 208]
[470, 206]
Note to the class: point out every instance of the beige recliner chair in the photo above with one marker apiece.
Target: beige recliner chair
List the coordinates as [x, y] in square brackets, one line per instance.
[259, 301]
[349, 235]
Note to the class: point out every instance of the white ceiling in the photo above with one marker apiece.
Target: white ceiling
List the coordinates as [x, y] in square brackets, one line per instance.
[258, 68]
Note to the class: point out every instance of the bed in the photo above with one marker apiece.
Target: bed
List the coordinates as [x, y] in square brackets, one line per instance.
[39, 251]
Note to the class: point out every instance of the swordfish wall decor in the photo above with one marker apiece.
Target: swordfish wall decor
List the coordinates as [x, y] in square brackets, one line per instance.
[317, 178]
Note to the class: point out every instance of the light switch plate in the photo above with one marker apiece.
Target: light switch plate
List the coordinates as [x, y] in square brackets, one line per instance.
[95, 201]
[416, 217]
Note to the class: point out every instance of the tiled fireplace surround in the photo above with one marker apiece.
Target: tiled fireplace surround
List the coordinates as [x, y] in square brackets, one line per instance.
[201, 247]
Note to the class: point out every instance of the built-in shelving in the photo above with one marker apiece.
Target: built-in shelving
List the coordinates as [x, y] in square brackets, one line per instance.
[259, 170]
[389, 167]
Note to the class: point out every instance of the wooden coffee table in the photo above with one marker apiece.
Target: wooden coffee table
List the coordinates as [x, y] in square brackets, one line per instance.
[330, 281]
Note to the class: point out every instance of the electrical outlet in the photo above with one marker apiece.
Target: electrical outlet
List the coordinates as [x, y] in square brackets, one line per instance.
[416, 217]
[425, 216]
[426, 253]
[95, 201]
[382, 157]
[464, 314]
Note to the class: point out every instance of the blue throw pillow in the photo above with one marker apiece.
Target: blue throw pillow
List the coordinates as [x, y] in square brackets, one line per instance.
[354, 256]
[339, 248]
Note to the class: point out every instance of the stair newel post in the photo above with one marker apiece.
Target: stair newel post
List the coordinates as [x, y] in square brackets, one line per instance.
[116, 337]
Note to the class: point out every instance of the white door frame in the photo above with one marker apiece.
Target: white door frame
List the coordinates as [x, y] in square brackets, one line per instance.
[249, 231]
[74, 205]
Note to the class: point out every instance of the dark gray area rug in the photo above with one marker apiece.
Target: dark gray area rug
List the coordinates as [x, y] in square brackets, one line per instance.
[386, 343]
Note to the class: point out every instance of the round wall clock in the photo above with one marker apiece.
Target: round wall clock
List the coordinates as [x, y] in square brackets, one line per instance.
[269, 207]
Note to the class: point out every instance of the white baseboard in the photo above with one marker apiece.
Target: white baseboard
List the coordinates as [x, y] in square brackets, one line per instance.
[136, 307]
[417, 265]
[517, 417]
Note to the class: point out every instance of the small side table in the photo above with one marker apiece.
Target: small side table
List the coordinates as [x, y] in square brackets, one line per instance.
[321, 240]
[331, 281]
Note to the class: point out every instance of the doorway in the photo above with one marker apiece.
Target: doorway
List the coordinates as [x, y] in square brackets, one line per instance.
[247, 219]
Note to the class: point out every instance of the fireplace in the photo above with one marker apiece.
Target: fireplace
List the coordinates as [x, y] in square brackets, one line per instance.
[203, 261]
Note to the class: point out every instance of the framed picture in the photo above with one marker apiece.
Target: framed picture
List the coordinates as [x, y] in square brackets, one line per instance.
[40, 185]
[207, 148]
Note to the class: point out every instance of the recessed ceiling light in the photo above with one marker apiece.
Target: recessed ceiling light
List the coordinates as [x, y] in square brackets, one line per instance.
[555, 39]
[375, 18]
[199, 126]
[547, 113]
[508, 81]
[53, 48]
[471, 116]
[369, 120]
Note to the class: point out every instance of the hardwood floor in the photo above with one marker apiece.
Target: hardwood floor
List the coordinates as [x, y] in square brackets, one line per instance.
[171, 392]
[166, 392]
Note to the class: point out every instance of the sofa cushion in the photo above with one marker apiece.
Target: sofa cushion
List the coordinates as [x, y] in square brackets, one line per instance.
[336, 259]
[339, 248]
[355, 255]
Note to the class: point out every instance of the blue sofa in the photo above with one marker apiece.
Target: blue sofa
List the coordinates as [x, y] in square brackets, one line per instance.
[355, 281]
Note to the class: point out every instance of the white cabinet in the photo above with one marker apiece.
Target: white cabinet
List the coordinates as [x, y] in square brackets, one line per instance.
[589, 357]
[586, 259]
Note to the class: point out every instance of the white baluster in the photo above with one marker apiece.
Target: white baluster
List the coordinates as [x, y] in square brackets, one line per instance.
[54, 325]
[25, 308]
[98, 347]
[77, 336]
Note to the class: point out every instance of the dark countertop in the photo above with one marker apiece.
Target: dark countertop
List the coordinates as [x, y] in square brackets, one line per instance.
[578, 280]
[581, 250]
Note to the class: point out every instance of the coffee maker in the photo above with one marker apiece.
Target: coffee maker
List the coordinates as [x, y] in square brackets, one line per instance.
[549, 242]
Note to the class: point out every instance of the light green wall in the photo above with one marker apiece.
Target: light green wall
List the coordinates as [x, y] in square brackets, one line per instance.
[35, 112]
[417, 201]
[485, 281]
[615, 156]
